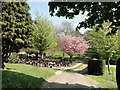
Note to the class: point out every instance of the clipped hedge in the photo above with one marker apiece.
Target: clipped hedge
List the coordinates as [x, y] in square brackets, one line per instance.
[96, 67]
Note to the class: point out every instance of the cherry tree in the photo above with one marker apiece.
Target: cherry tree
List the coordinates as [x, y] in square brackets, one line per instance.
[72, 45]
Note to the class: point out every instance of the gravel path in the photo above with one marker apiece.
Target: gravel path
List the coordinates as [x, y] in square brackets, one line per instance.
[72, 79]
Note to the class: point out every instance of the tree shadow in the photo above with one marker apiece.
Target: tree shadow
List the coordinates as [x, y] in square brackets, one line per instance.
[12, 79]
[61, 86]
[83, 71]
[17, 80]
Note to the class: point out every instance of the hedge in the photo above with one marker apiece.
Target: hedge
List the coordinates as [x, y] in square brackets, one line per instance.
[96, 67]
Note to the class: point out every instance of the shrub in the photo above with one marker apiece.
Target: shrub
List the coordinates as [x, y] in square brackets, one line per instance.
[14, 58]
[96, 67]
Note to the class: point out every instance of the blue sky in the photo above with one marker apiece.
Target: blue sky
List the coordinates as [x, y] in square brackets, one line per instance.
[43, 9]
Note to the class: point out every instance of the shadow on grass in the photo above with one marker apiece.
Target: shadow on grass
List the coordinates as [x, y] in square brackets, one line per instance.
[60, 86]
[84, 71]
[12, 79]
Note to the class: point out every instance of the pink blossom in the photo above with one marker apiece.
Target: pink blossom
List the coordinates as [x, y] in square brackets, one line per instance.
[72, 45]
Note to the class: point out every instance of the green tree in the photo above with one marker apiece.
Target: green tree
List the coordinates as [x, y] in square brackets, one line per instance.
[102, 45]
[16, 27]
[43, 37]
[98, 12]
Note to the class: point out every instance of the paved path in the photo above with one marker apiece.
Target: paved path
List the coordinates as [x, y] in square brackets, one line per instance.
[72, 79]
[60, 71]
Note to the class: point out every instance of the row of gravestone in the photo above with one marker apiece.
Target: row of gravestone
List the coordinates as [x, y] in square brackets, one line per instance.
[48, 63]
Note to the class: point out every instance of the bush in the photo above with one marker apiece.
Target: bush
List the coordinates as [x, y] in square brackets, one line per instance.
[96, 67]
[14, 58]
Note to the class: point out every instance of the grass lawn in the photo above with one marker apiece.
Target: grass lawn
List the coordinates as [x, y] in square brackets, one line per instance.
[107, 80]
[60, 54]
[25, 76]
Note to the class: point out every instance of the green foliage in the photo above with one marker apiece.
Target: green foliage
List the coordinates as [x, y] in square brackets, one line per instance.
[29, 50]
[16, 26]
[97, 12]
[18, 40]
[43, 37]
[102, 46]
[114, 58]
[14, 58]
[91, 52]
[96, 67]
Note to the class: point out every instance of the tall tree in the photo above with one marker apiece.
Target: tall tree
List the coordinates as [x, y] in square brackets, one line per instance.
[43, 37]
[98, 12]
[105, 46]
[16, 27]
[64, 28]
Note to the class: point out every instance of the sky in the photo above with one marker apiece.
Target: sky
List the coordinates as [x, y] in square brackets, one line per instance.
[43, 9]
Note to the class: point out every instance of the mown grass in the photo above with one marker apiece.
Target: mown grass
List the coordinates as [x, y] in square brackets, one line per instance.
[60, 54]
[107, 80]
[24, 76]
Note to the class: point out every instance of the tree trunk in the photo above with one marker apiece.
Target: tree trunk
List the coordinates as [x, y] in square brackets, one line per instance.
[42, 56]
[4, 58]
[108, 66]
[70, 57]
[27, 55]
[36, 56]
[3, 65]
[118, 73]
[63, 54]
